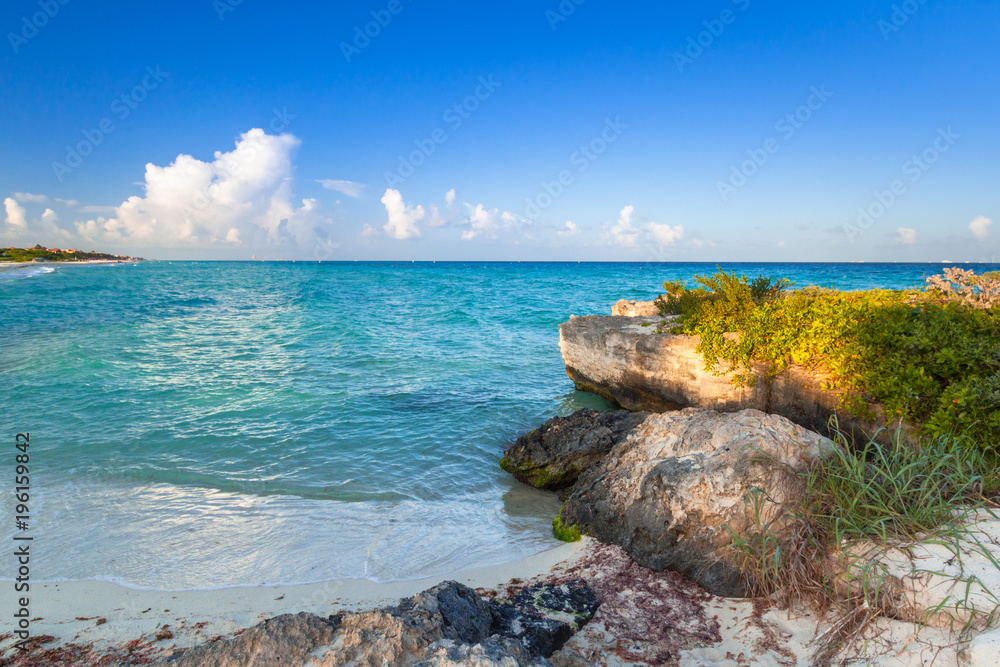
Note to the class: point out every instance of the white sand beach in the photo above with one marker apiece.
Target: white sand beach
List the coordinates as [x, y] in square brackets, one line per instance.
[103, 613]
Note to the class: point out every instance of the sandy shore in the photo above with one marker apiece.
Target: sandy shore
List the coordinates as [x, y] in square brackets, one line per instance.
[105, 613]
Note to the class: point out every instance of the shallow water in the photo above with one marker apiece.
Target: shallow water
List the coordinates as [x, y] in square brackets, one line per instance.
[219, 424]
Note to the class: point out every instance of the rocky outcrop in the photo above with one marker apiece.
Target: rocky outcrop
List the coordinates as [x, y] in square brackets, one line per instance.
[675, 490]
[628, 360]
[553, 456]
[627, 308]
[446, 625]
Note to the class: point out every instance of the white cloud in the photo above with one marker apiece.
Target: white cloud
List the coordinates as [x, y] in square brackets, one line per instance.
[437, 220]
[487, 222]
[980, 227]
[349, 188]
[570, 229]
[665, 234]
[15, 213]
[367, 231]
[449, 197]
[49, 217]
[624, 232]
[31, 198]
[403, 219]
[906, 236]
[481, 222]
[243, 195]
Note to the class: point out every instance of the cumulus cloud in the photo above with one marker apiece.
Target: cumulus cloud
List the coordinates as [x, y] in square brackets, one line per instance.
[569, 229]
[624, 232]
[665, 234]
[240, 196]
[487, 222]
[980, 227]
[906, 236]
[449, 197]
[403, 219]
[436, 219]
[349, 188]
[16, 215]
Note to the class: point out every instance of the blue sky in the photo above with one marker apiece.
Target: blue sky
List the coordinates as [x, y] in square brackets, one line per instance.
[725, 130]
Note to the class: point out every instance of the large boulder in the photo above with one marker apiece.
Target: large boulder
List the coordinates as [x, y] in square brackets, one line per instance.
[446, 625]
[674, 492]
[553, 456]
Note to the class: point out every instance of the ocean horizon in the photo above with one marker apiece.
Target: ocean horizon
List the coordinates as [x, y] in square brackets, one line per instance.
[199, 425]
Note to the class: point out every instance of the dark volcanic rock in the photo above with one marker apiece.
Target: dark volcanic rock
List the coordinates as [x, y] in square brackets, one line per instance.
[544, 616]
[553, 456]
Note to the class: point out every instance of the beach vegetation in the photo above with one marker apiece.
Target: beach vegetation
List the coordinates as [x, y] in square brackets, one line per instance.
[929, 358]
[886, 493]
[16, 255]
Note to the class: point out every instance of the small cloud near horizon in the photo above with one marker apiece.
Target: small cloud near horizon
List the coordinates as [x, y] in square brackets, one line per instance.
[980, 227]
[349, 188]
[906, 236]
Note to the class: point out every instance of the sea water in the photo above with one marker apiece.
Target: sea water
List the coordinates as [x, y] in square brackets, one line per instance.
[203, 424]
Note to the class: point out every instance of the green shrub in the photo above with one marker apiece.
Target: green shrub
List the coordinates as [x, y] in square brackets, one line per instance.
[928, 359]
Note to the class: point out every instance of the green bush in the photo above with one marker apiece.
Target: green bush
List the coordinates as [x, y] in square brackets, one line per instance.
[927, 359]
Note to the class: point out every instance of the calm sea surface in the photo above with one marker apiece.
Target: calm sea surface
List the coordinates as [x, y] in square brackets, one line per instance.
[201, 424]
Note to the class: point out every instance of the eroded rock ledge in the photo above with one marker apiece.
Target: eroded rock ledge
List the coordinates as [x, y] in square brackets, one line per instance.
[625, 360]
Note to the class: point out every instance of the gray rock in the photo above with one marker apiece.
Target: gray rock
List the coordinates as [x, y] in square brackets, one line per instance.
[553, 456]
[445, 625]
[673, 491]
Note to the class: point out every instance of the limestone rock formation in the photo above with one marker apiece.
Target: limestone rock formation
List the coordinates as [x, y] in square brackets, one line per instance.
[446, 625]
[672, 491]
[628, 308]
[553, 456]
[627, 361]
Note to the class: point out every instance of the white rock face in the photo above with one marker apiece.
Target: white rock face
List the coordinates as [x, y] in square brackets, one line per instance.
[627, 308]
[625, 360]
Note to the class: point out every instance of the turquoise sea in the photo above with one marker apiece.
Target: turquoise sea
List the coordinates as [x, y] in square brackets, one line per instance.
[201, 424]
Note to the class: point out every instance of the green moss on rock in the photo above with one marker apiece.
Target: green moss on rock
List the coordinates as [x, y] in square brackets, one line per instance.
[564, 532]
